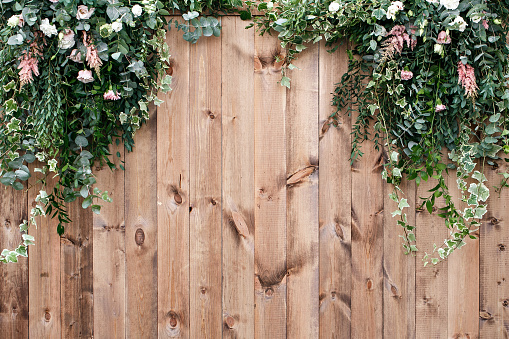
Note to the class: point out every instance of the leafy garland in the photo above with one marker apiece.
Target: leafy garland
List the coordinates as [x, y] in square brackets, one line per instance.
[77, 76]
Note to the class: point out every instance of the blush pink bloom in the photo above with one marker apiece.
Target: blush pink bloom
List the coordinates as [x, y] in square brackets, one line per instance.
[406, 75]
[110, 95]
[54, 1]
[485, 24]
[28, 65]
[85, 76]
[84, 13]
[443, 38]
[466, 77]
[439, 108]
[21, 22]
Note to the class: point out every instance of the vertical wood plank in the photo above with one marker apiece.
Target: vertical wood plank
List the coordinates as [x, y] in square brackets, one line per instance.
[76, 273]
[44, 272]
[109, 252]
[173, 196]
[302, 197]
[141, 233]
[367, 243]
[238, 178]
[270, 191]
[399, 269]
[494, 261]
[205, 189]
[14, 277]
[463, 281]
[431, 281]
[335, 203]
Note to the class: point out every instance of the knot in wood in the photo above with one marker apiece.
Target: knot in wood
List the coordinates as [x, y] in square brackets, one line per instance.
[7, 223]
[269, 292]
[494, 221]
[47, 316]
[369, 284]
[230, 322]
[501, 247]
[178, 198]
[139, 237]
[333, 295]
[505, 302]
[484, 315]
[203, 290]
[173, 319]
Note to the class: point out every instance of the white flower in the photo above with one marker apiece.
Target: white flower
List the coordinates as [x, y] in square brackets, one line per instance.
[460, 22]
[476, 18]
[439, 49]
[66, 39]
[398, 4]
[270, 5]
[333, 7]
[433, 1]
[13, 21]
[391, 12]
[137, 10]
[450, 4]
[52, 165]
[48, 29]
[116, 26]
[84, 13]
[85, 76]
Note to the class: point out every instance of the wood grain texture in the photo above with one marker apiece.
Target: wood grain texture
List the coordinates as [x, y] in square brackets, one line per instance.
[44, 268]
[109, 252]
[335, 203]
[141, 233]
[270, 191]
[431, 281]
[238, 179]
[302, 197]
[13, 277]
[173, 197]
[76, 274]
[205, 189]
[399, 269]
[494, 261]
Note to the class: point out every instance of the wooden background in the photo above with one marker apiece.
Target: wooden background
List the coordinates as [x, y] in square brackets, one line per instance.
[239, 216]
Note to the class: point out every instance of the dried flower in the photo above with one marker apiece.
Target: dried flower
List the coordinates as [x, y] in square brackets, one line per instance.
[443, 38]
[85, 76]
[439, 108]
[406, 75]
[48, 29]
[28, 65]
[92, 56]
[84, 13]
[466, 77]
[110, 95]
[394, 44]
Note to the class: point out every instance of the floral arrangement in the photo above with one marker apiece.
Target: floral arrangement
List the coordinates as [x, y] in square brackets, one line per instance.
[432, 76]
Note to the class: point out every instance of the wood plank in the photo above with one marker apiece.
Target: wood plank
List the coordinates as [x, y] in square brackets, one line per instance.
[173, 196]
[109, 252]
[302, 197]
[399, 269]
[205, 189]
[238, 178]
[44, 268]
[141, 233]
[463, 281]
[335, 203]
[431, 281]
[76, 273]
[14, 277]
[270, 191]
[494, 260]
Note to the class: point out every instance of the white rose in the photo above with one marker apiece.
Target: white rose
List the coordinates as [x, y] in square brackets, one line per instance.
[116, 26]
[450, 4]
[13, 21]
[137, 10]
[391, 12]
[84, 13]
[476, 18]
[48, 29]
[462, 25]
[333, 7]
[398, 4]
[66, 39]
[439, 49]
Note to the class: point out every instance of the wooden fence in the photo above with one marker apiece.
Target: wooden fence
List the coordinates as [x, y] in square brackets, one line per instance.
[239, 216]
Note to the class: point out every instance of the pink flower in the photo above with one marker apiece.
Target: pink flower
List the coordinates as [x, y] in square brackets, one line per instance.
[54, 1]
[466, 76]
[110, 95]
[406, 75]
[92, 56]
[84, 13]
[439, 108]
[485, 24]
[85, 76]
[443, 38]
[75, 56]
[28, 65]
[21, 22]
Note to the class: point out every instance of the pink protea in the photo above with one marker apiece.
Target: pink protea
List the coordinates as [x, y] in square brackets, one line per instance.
[110, 95]
[440, 108]
[466, 77]
[406, 75]
[485, 24]
[92, 56]
[443, 38]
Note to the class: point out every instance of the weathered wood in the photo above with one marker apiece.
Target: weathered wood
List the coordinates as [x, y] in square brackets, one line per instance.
[302, 197]
[270, 190]
[431, 281]
[238, 179]
[109, 252]
[173, 196]
[494, 260]
[335, 204]
[141, 233]
[399, 269]
[44, 268]
[206, 319]
[76, 274]
[13, 277]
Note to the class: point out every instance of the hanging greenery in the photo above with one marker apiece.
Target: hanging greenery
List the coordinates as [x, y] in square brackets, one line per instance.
[424, 76]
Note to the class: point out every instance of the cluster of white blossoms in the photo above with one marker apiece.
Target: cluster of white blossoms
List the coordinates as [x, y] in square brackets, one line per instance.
[334, 7]
[48, 29]
[393, 9]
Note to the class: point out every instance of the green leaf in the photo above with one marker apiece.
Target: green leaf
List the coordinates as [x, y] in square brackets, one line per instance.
[81, 141]
[87, 202]
[17, 186]
[403, 203]
[96, 209]
[245, 15]
[285, 81]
